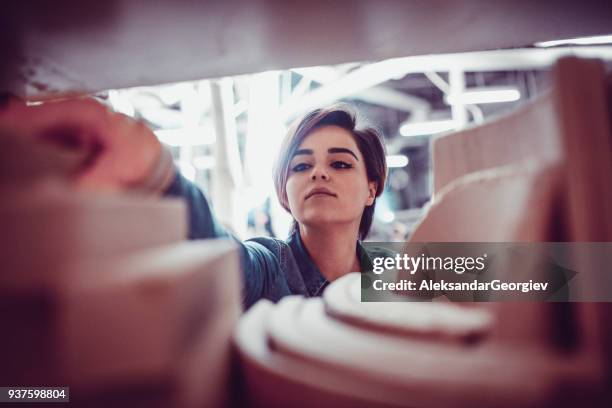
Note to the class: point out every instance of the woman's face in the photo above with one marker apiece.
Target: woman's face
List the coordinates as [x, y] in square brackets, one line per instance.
[327, 181]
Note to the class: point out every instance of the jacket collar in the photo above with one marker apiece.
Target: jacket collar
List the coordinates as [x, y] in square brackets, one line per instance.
[313, 278]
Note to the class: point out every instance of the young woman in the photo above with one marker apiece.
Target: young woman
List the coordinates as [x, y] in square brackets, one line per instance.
[328, 176]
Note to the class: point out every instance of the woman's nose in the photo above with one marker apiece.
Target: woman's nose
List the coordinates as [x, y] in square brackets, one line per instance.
[319, 173]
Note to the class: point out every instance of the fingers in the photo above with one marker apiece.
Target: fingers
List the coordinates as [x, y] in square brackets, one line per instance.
[118, 152]
[39, 121]
[132, 155]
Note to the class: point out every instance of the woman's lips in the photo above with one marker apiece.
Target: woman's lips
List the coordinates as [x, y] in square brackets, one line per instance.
[320, 192]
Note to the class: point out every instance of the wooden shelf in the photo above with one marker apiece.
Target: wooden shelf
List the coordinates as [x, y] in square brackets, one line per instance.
[50, 47]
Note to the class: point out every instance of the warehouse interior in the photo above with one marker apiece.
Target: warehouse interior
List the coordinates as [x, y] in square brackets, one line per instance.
[497, 124]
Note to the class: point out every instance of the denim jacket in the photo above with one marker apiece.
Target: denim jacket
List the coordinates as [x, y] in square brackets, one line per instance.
[271, 268]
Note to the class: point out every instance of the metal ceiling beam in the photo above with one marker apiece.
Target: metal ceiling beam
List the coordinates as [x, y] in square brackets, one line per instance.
[499, 60]
[376, 95]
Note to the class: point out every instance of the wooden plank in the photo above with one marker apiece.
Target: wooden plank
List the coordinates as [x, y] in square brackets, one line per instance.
[529, 134]
[130, 326]
[50, 47]
[44, 228]
[435, 321]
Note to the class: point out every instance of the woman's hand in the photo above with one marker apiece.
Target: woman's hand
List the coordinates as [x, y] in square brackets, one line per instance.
[119, 153]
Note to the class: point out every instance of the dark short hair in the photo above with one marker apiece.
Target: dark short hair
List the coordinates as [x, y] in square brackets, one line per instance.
[368, 140]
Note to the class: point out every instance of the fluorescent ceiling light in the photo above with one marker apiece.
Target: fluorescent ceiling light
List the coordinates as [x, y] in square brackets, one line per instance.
[480, 96]
[426, 128]
[397, 160]
[600, 39]
[193, 136]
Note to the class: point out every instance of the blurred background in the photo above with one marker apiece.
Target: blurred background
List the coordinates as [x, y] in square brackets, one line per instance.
[219, 82]
[224, 133]
[414, 69]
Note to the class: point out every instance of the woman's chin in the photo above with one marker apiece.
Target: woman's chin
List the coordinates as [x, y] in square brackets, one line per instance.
[320, 219]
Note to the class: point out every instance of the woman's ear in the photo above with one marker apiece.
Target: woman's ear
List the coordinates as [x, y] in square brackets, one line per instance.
[372, 188]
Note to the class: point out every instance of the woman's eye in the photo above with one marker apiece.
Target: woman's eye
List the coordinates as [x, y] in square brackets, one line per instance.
[301, 167]
[341, 165]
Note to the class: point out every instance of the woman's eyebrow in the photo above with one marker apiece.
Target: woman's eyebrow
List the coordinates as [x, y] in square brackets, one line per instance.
[303, 151]
[342, 150]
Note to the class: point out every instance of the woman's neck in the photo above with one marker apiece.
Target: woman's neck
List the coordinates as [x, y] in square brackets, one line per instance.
[333, 249]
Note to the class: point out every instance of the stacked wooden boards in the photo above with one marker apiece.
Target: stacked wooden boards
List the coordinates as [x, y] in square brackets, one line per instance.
[101, 293]
[297, 353]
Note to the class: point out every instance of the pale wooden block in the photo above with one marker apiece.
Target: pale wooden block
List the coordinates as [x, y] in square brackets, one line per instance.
[44, 228]
[586, 111]
[531, 132]
[568, 198]
[154, 323]
[201, 375]
[134, 315]
[276, 380]
[587, 145]
[416, 372]
[505, 204]
[194, 366]
[434, 321]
